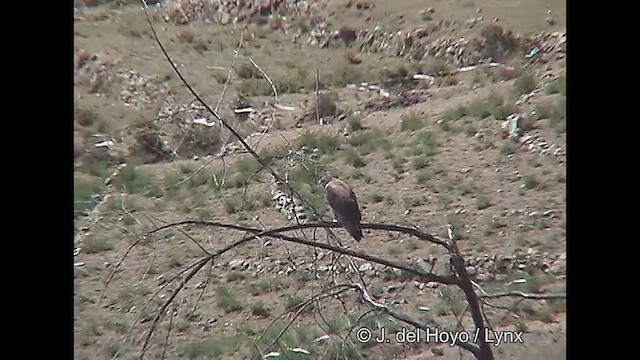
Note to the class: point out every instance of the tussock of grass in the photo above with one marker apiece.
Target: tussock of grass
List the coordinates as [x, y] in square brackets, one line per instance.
[133, 179]
[98, 243]
[325, 143]
[455, 113]
[482, 202]
[494, 105]
[424, 144]
[508, 147]
[302, 276]
[558, 118]
[265, 286]
[370, 141]
[114, 347]
[293, 302]
[227, 300]
[209, 348]
[260, 309]
[353, 158]
[235, 276]
[422, 177]
[254, 87]
[524, 84]
[231, 205]
[419, 162]
[557, 85]
[305, 173]
[398, 164]
[355, 124]
[531, 182]
[84, 188]
[287, 335]
[376, 197]
[244, 171]
[411, 122]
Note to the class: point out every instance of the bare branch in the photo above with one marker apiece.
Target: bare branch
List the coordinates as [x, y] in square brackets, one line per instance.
[275, 92]
[520, 294]
[372, 226]
[233, 62]
[166, 339]
[485, 352]
[276, 233]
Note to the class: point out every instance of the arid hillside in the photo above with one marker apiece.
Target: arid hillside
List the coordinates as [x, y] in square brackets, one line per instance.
[446, 117]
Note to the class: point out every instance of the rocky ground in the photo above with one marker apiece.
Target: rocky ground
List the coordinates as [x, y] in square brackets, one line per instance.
[438, 113]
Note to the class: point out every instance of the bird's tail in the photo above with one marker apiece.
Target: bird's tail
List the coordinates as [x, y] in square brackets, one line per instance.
[354, 230]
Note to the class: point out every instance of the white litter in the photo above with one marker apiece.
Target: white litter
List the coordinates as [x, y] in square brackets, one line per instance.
[106, 144]
[204, 121]
[323, 337]
[244, 110]
[285, 107]
[300, 351]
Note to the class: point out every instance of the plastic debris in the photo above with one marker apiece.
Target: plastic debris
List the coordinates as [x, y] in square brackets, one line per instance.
[300, 351]
[107, 144]
[451, 232]
[513, 125]
[204, 121]
[321, 338]
[519, 281]
[246, 110]
[532, 53]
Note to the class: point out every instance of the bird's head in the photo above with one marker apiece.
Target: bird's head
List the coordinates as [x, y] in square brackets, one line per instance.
[325, 177]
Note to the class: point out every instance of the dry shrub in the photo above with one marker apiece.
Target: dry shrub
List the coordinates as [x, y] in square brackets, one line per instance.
[82, 58]
[434, 65]
[84, 117]
[348, 34]
[506, 73]
[364, 5]
[200, 44]
[498, 42]
[451, 80]
[186, 35]
[247, 71]
[354, 57]
[79, 145]
[274, 23]
[393, 73]
[220, 76]
[199, 138]
[134, 24]
[151, 146]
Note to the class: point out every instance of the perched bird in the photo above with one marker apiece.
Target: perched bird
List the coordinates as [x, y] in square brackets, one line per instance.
[343, 203]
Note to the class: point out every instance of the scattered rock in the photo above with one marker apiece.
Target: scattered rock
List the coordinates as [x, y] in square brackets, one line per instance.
[365, 267]
[238, 264]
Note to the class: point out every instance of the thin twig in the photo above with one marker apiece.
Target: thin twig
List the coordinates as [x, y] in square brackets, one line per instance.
[524, 295]
[318, 119]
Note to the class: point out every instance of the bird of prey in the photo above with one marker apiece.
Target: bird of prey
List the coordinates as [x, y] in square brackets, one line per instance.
[343, 203]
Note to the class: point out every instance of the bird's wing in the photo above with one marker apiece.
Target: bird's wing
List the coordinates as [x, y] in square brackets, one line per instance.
[343, 202]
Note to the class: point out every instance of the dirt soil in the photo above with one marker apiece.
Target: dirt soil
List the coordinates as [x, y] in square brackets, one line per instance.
[438, 113]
